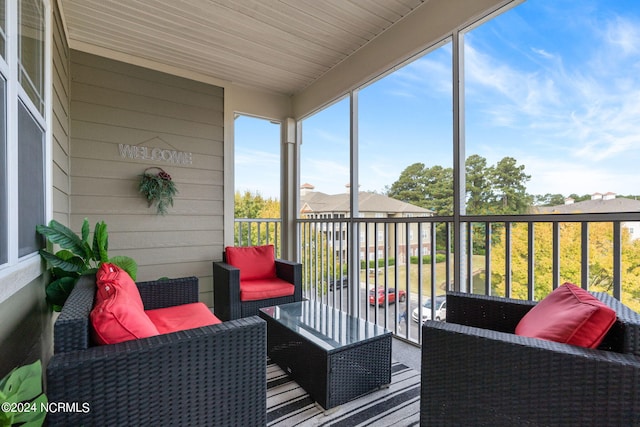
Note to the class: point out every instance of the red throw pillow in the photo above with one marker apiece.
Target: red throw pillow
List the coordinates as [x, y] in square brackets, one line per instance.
[109, 277]
[254, 262]
[118, 314]
[568, 315]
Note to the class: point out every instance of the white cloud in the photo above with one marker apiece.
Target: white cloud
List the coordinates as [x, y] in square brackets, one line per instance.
[564, 176]
[623, 35]
[543, 53]
[591, 113]
[425, 76]
[577, 123]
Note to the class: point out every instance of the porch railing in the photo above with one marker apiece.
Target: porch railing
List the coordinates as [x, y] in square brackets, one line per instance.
[523, 256]
[257, 231]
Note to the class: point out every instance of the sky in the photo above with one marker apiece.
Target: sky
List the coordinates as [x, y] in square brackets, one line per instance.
[553, 84]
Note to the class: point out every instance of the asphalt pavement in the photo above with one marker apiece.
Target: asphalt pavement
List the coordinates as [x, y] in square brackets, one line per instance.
[376, 314]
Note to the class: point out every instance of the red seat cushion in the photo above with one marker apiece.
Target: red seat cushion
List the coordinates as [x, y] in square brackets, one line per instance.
[118, 314]
[254, 262]
[182, 317]
[568, 315]
[253, 290]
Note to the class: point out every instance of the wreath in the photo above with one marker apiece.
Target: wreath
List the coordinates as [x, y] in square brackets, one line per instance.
[157, 188]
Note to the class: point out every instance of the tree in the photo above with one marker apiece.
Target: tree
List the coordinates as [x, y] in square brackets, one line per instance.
[248, 205]
[548, 199]
[439, 190]
[499, 189]
[430, 188]
[509, 181]
[411, 185]
[478, 183]
[254, 206]
[600, 260]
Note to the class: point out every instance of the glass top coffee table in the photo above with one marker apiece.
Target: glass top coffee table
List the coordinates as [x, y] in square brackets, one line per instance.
[335, 357]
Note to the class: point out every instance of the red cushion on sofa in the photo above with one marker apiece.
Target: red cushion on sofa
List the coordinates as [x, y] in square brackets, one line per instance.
[253, 290]
[254, 262]
[118, 314]
[109, 277]
[182, 317]
[569, 315]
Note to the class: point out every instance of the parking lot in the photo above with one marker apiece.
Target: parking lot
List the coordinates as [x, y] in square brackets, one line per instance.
[376, 315]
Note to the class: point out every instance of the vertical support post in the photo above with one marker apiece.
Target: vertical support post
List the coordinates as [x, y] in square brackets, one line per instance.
[584, 264]
[289, 196]
[507, 259]
[617, 261]
[487, 258]
[556, 255]
[531, 262]
[459, 185]
[354, 276]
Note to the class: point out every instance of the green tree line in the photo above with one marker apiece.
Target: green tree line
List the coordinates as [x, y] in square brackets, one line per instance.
[490, 189]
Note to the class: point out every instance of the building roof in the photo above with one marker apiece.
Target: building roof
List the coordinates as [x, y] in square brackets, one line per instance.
[619, 204]
[318, 202]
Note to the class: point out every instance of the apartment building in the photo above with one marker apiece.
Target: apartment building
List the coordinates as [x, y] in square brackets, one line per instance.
[377, 236]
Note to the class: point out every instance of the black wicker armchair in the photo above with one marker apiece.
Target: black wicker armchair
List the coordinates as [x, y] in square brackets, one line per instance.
[214, 375]
[476, 372]
[226, 290]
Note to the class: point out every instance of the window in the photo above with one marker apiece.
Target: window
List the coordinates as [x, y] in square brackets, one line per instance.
[31, 177]
[23, 136]
[3, 28]
[3, 174]
[31, 51]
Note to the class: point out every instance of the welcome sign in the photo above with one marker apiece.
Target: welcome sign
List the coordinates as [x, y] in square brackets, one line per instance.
[155, 154]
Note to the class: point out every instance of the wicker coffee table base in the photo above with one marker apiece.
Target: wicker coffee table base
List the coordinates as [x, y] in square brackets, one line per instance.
[331, 377]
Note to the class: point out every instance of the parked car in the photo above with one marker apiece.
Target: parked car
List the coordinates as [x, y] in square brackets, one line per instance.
[338, 282]
[441, 309]
[391, 296]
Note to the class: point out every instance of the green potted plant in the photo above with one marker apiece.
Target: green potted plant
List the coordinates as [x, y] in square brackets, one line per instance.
[21, 398]
[158, 188]
[76, 257]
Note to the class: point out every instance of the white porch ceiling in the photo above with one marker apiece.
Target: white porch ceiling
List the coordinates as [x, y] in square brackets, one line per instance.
[277, 45]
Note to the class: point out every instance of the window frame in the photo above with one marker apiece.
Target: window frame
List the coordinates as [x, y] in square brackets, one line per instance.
[19, 271]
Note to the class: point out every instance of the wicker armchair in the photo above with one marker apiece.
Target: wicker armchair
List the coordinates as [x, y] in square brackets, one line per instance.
[226, 290]
[475, 371]
[214, 375]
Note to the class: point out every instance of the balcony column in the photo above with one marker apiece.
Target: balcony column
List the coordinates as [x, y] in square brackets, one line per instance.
[289, 185]
[459, 186]
[353, 251]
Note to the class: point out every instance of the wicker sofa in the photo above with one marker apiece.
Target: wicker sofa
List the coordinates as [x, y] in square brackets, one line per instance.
[475, 371]
[214, 375]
